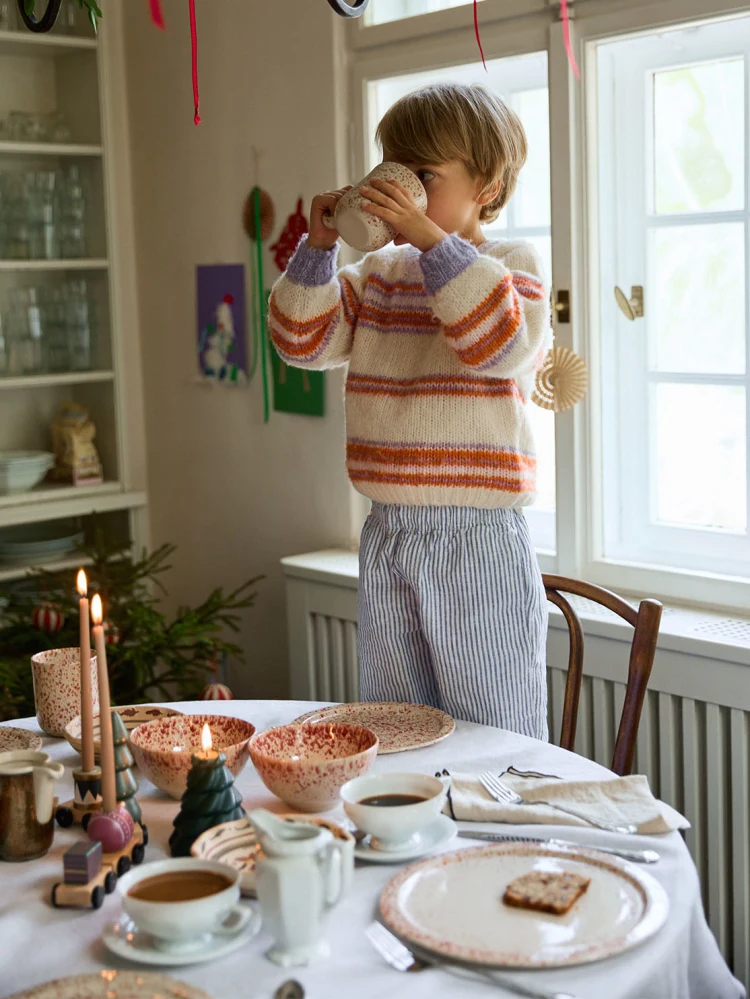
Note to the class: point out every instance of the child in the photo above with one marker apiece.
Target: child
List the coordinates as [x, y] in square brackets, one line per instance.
[442, 331]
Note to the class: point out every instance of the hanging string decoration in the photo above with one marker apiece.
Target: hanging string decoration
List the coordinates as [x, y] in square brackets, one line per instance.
[565, 14]
[257, 219]
[561, 381]
[157, 15]
[478, 36]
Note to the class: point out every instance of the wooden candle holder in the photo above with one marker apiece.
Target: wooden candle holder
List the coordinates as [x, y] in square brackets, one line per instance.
[86, 802]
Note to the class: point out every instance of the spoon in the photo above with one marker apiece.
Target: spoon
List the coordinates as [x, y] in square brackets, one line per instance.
[289, 990]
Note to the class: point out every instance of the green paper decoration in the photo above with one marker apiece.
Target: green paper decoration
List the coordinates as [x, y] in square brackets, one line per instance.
[125, 783]
[297, 390]
[209, 799]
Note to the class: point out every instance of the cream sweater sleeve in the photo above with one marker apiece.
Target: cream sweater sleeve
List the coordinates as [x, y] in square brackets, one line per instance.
[494, 306]
[313, 310]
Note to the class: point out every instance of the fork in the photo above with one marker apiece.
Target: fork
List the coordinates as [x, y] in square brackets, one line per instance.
[401, 958]
[502, 793]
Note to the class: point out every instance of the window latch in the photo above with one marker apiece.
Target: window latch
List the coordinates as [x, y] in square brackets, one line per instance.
[631, 308]
[561, 306]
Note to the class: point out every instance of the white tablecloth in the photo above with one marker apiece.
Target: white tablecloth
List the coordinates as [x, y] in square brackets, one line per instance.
[39, 943]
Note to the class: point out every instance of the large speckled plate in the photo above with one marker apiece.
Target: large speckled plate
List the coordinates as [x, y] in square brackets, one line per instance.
[621, 908]
[398, 726]
[17, 738]
[114, 985]
[132, 715]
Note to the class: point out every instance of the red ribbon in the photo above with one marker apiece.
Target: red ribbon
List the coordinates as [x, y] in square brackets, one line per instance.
[476, 32]
[194, 45]
[156, 13]
[566, 37]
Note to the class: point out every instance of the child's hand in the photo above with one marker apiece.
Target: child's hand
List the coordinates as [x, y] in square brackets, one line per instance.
[320, 236]
[391, 202]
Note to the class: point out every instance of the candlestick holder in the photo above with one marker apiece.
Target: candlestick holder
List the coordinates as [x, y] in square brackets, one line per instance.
[209, 799]
[86, 801]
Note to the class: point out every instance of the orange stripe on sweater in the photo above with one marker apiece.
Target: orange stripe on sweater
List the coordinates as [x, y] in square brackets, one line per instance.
[492, 343]
[400, 388]
[528, 286]
[297, 328]
[479, 313]
[379, 282]
[476, 457]
[500, 484]
[385, 318]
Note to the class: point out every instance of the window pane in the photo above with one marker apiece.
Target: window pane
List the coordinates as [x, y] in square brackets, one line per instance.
[381, 11]
[700, 455]
[699, 136]
[543, 426]
[698, 298]
[531, 202]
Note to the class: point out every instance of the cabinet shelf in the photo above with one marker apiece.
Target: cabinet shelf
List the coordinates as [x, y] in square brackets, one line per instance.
[84, 264]
[10, 572]
[26, 43]
[48, 502]
[49, 381]
[49, 149]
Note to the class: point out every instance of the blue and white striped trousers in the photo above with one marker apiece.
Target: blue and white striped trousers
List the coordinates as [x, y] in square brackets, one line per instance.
[452, 613]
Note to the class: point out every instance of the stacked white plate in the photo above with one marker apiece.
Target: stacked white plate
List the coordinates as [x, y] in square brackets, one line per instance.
[28, 544]
[22, 470]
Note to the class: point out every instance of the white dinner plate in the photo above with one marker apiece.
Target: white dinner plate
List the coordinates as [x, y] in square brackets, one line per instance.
[452, 905]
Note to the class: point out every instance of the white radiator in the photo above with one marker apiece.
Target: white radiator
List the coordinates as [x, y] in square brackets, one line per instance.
[693, 741]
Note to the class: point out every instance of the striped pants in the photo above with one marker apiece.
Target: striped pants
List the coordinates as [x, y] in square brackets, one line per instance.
[452, 613]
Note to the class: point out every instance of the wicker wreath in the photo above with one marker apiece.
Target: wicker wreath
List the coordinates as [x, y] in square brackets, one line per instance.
[561, 381]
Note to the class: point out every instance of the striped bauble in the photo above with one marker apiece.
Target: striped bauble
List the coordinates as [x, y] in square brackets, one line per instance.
[49, 618]
[216, 692]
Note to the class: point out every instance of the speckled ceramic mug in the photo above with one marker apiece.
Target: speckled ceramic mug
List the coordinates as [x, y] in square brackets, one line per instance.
[57, 688]
[359, 228]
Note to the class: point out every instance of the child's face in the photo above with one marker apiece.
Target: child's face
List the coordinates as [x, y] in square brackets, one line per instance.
[452, 195]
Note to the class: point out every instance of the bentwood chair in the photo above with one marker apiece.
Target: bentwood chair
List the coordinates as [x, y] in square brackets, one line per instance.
[645, 622]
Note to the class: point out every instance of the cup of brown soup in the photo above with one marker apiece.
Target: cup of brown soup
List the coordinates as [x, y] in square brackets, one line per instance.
[182, 901]
[394, 808]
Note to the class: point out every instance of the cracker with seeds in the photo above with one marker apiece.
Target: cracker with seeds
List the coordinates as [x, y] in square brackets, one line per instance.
[545, 891]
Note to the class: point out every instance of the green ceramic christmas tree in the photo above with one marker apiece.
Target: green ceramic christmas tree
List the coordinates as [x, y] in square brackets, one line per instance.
[125, 783]
[209, 799]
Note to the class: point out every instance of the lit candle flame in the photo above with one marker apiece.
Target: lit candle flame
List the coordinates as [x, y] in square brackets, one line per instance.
[96, 609]
[206, 741]
[82, 583]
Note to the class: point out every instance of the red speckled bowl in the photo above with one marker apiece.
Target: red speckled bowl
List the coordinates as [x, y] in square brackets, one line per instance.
[307, 765]
[162, 748]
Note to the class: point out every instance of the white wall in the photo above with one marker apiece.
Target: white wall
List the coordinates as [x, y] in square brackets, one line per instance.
[233, 494]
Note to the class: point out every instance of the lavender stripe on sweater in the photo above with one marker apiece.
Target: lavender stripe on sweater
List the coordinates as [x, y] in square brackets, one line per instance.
[311, 266]
[445, 261]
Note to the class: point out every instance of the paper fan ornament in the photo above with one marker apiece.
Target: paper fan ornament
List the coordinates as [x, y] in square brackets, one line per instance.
[561, 381]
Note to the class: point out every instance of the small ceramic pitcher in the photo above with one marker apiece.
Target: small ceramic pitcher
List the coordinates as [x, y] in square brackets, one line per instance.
[358, 227]
[27, 803]
[297, 881]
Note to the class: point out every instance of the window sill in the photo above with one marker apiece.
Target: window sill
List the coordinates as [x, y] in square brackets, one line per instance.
[691, 631]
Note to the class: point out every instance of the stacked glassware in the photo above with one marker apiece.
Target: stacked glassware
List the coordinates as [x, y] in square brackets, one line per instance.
[46, 330]
[42, 215]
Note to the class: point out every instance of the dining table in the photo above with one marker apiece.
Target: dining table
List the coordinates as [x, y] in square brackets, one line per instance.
[39, 943]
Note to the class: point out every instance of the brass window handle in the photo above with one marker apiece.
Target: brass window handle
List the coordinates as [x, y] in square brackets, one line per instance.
[631, 308]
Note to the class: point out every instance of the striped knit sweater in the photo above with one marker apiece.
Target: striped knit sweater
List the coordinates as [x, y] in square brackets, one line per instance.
[442, 347]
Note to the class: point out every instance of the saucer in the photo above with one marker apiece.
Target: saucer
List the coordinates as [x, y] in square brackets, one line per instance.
[442, 831]
[126, 940]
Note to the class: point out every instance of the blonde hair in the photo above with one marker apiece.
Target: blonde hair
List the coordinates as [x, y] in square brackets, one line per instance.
[453, 121]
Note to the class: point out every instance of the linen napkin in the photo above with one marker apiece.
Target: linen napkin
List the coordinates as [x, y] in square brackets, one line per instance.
[617, 800]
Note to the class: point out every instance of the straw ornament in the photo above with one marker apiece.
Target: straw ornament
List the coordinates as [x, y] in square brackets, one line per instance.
[561, 381]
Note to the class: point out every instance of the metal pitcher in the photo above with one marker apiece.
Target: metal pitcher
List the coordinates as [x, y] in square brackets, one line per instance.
[27, 803]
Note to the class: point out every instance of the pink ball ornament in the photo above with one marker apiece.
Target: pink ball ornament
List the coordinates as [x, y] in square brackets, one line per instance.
[111, 633]
[216, 692]
[113, 830]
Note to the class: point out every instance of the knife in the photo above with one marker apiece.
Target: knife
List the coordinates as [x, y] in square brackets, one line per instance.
[637, 856]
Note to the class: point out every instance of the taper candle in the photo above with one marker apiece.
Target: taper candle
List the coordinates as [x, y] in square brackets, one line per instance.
[87, 710]
[107, 751]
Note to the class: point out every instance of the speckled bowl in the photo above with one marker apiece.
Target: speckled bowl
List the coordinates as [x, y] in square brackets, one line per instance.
[162, 748]
[307, 765]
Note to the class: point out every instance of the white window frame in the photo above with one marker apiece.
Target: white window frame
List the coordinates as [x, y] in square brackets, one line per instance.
[675, 584]
[515, 27]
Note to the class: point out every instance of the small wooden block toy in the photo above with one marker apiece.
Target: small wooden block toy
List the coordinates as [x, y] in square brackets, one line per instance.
[89, 874]
[85, 879]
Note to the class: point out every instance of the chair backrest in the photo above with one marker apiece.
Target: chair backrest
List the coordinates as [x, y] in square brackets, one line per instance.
[645, 622]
